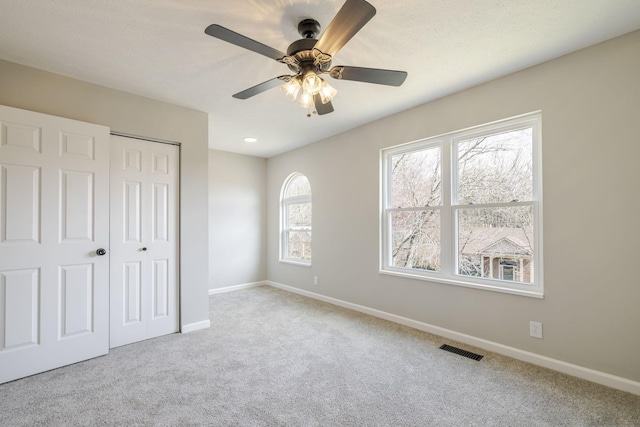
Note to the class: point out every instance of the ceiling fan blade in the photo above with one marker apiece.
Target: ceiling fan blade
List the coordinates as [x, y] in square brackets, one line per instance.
[259, 88]
[232, 37]
[347, 22]
[369, 75]
[320, 107]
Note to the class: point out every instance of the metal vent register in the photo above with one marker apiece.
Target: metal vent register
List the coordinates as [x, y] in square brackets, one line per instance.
[461, 352]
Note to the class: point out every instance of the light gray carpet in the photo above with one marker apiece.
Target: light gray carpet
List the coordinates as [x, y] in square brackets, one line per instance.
[273, 358]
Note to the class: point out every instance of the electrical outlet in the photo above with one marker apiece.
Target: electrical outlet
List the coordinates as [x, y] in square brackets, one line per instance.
[535, 329]
[315, 280]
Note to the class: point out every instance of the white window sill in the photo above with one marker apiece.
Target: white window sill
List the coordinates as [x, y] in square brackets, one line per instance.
[533, 293]
[294, 262]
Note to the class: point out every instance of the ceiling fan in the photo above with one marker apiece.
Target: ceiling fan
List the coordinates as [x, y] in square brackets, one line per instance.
[309, 58]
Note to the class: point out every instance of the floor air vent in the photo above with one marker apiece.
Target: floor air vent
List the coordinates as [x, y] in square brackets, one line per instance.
[461, 352]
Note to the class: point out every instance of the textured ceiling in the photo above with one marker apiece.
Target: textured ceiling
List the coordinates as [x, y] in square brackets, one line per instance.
[158, 49]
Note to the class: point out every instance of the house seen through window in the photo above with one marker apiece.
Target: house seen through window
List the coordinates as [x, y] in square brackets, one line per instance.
[464, 208]
[295, 231]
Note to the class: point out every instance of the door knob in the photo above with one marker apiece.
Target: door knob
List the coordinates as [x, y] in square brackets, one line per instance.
[144, 249]
[101, 252]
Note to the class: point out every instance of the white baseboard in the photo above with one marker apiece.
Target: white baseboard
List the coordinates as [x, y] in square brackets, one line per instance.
[236, 287]
[191, 327]
[526, 356]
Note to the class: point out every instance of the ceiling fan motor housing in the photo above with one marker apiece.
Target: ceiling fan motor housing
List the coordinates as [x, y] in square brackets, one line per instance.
[309, 28]
[302, 49]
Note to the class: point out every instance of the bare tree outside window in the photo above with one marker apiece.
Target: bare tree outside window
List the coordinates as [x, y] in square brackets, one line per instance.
[299, 230]
[296, 219]
[416, 186]
[496, 169]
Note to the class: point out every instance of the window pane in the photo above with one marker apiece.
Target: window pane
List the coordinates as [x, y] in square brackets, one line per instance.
[416, 239]
[299, 244]
[298, 186]
[299, 215]
[496, 243]
[496, 168]
[416, 179]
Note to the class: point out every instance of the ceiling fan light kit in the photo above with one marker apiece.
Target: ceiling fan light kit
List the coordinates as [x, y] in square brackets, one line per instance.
[309, 58]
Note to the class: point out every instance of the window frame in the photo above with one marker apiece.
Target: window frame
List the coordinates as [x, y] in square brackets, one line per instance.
[449, 209]
[285, 230]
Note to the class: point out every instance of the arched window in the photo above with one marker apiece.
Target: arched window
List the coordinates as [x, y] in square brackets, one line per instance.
[295, 220]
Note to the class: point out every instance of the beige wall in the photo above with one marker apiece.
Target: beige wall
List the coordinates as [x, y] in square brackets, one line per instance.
[590, 103]
[35, 90]
[237, 219]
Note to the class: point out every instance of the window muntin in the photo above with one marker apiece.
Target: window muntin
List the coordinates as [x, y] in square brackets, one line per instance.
[296, 220]
[464, 208]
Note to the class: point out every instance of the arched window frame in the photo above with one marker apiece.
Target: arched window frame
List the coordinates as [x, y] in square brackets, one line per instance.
[287, 230]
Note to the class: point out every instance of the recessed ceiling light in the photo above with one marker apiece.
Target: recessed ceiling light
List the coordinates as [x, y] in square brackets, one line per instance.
[250, 139]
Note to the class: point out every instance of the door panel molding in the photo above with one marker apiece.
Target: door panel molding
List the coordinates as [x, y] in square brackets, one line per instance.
[144, 234]
[54, 215]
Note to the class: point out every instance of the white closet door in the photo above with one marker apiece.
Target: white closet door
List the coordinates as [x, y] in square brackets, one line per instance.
[54, 216]
[144, 240]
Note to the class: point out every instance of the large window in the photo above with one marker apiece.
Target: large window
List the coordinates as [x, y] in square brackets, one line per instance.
[295, 220]
[464, 208]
